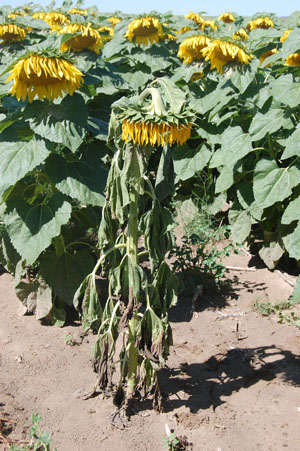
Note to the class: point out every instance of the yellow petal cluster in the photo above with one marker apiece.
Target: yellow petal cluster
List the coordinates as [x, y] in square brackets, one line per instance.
[81, 12]
[56, 20]
[261, 22]
[209, 23]
[40, 15]
[114, 20]
[220, 52]
[293, 60]
[155, 134]
[285, 35]
[266, 54]
[196, 18]
[226, 17]
[12, 33]
[106, 33]
[16, 14]
[44, 77]
[184, 30]
[89, 38]
[145, 30]
[191, 48]
[240, 35]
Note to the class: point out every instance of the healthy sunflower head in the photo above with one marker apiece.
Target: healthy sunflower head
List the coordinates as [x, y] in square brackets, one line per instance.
[220, 52]
[226, 17]
[89, 38]
[144, 30]
[285, 35]
[12, 33]
[114, 20]
[196, 18]
[44, 77]
[241, 35]
[266, 54]
[56, 20]
[191, 48]
[293, 60]
[106, 33]
[260, 22]
[81, 12]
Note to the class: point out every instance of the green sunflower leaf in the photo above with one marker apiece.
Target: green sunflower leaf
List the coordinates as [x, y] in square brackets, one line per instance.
[64, 123]
[235, 144]
[19, 158]
[188, 161]
[32, 227]
[82, 178]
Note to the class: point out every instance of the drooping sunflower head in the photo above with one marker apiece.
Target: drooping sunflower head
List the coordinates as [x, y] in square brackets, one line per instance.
[89, 38]
[56, 20]
[39, 15]
[220, 52]
[106, 33]
[196, 18]
[114, 20]
[44, 77]
[285, 35]
[12, 33]
[144, 30]
[260, 22]
[154, 125]
[293, 60]
[81, 12]
[184, 30]
[209, 24]
[16, 14]
[191, 49]
[226, 17]
[240, 35]
[266, 55]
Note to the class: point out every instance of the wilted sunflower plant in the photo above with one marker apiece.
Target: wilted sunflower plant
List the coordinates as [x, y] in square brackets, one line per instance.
[136, 228]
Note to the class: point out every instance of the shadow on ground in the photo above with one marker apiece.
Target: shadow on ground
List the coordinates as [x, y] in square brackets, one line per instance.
[203, 385]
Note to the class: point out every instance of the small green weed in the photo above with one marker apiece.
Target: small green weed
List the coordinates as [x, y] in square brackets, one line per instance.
[40, 440]
[278, 308]
[171, 442]
[69, 339]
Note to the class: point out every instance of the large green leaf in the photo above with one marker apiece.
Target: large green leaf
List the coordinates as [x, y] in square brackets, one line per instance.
[65, 273]
[292, 242]
[215, 99]
[271, 254]
[272, 184]
[240, 221]
[164, 184]
[292, 212]
[64, 123]
[235, 144]
[18, 158]
[242, 76]
[81, 178]
[270, 122]
[174, 96]
[225, 180]
[32, 227]
[188, 161]
[292, 145]
[286, 90]
[295, 297]
[137, 79]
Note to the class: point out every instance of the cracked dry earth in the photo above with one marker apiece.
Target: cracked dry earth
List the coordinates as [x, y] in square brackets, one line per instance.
[232, 382]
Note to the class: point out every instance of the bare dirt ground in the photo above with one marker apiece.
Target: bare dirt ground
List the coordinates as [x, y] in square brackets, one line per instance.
[227, 387]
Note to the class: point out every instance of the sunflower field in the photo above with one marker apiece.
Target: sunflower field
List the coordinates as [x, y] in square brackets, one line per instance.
[107, 120]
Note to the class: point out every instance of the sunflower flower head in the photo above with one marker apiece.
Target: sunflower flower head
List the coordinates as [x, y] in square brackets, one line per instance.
[226, 17]
[89, 38]
[114, 20]
[44, 77]
[16, 14]
[266, 55]
[56, 20]
[196, 18]
[12, 33]
[220, 52]
[106, 33]
[285, 35]
[240, 35]
[145, 30]
[210, 24]
[191, 48]
[184, 30]
[81, 12]
[293, 60]
[260, 22]
[39, 15]
[154, 125]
